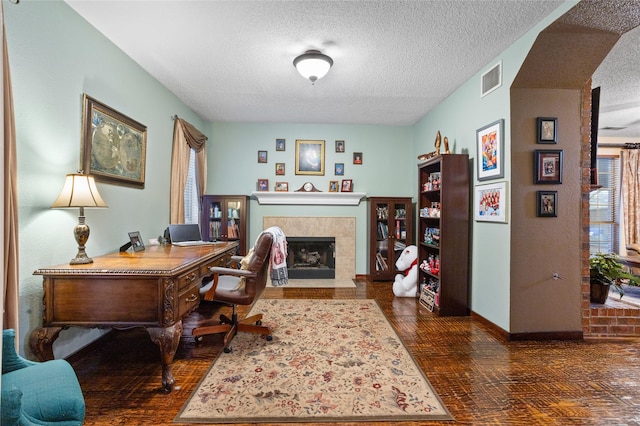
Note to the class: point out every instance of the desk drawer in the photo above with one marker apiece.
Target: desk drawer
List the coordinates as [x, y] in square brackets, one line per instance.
[188, 279]
[188, 299]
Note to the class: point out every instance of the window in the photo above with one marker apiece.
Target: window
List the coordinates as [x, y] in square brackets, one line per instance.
[604, 226]
[191, 196]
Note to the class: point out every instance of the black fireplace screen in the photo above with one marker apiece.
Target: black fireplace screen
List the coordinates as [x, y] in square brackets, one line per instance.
[311, 257]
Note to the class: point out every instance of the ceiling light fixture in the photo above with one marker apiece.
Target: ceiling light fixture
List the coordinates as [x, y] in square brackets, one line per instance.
[313, 65]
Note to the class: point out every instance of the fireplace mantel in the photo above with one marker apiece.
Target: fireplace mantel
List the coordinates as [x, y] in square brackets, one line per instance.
[308, 198]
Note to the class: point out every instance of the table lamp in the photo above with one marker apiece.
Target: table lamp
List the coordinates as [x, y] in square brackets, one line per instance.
[80, 190]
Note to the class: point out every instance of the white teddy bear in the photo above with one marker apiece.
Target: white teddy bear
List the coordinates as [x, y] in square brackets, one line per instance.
[405, 285]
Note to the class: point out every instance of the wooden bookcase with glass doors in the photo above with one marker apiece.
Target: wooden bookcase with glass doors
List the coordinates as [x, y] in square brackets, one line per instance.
[390, 231]
[224, 218]
[443, 232]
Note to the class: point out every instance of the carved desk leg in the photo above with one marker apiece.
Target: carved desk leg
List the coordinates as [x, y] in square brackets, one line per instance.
[167, 339]
[41, 342]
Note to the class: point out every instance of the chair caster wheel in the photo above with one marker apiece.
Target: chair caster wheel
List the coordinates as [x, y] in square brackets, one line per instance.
[227, 350]
[259, 322]
[269, 337]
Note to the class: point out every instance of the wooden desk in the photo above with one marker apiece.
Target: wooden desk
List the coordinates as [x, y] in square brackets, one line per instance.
[154, 288]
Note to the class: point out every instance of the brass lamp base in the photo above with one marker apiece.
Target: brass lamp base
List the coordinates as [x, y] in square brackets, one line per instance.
[81, 233]
[81, 258]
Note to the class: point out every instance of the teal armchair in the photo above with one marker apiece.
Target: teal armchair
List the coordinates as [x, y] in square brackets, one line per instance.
[38, 393]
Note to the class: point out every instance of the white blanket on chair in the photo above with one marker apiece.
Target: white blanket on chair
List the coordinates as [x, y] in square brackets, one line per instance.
[279, 275]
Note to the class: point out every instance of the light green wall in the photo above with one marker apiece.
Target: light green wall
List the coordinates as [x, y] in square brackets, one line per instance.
[55, 56]
[233, 168]
[458, 117]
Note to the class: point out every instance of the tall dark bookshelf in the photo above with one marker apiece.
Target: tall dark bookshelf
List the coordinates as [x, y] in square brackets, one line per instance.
[443, 232]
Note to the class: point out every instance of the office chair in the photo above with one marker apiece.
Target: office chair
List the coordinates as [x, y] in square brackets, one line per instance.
[239, 287]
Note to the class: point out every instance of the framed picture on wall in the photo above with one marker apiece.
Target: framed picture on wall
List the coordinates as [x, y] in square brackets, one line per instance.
[280, 144]
[339, 146]
[547, 203]
[279, 169]
[490, 151]
[262, 156]
[114, 146]
[357, 158]
[309, 157]
[490, 202]
[548, 166]
[547, 130]
[339, 169]
[333, 186]
[347, 185]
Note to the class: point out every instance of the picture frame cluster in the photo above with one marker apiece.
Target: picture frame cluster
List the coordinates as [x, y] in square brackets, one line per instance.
[547, 166]
[490, 199]
[310, 160]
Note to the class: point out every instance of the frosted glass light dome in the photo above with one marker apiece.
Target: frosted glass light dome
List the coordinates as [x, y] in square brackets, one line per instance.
[313, 65]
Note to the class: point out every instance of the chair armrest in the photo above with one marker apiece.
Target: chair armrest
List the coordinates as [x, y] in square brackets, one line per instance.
[230, 271]
[11, 361]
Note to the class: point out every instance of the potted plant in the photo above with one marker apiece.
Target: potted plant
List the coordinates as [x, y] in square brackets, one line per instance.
[605, 271]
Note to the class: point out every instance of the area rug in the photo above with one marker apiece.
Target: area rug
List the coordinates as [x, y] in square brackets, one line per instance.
[329, 361]
[315, 283]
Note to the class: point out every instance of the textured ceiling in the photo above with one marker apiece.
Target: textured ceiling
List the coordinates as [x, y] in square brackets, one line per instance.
[619, 79]
[393, 60]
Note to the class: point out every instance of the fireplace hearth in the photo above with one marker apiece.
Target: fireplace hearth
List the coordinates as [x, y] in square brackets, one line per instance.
[311, 257]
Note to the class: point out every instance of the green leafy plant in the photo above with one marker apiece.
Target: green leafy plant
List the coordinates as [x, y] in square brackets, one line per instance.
[606, 269]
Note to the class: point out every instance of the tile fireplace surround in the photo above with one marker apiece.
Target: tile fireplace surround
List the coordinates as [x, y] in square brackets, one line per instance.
[341, 228]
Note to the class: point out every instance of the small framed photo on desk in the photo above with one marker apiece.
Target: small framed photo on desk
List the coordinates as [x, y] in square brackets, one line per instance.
[136, 241]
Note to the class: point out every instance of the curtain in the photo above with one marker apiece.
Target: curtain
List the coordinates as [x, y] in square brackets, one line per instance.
[10, 198]
[631, 195]
[185, 138]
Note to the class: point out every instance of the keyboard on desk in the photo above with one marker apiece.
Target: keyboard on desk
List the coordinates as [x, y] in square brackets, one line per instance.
[195, 243]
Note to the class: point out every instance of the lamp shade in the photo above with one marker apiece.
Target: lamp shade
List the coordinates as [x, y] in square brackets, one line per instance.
[313, 65]
[79, 190]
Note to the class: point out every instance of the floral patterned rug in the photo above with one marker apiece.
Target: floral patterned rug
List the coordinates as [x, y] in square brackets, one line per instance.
[329, 360]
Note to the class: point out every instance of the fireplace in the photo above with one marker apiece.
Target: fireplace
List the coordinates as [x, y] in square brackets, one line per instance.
[311, 257]
[340, 228]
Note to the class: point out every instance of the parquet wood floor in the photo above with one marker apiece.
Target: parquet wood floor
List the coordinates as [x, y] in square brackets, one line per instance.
[481, 379]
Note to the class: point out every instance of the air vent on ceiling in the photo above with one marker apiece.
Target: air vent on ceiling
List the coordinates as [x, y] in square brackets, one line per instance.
[491, 79]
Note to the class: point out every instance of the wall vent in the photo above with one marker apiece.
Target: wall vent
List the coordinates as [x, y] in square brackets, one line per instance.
[491, 79]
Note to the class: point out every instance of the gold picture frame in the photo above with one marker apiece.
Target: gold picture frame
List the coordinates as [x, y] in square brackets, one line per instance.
[114, 146]
[310, 157]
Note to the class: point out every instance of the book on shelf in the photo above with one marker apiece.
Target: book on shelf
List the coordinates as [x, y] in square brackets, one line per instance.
[232, 229]
[399, 245]
[383, 230]
[214, 230]
[381, 263]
